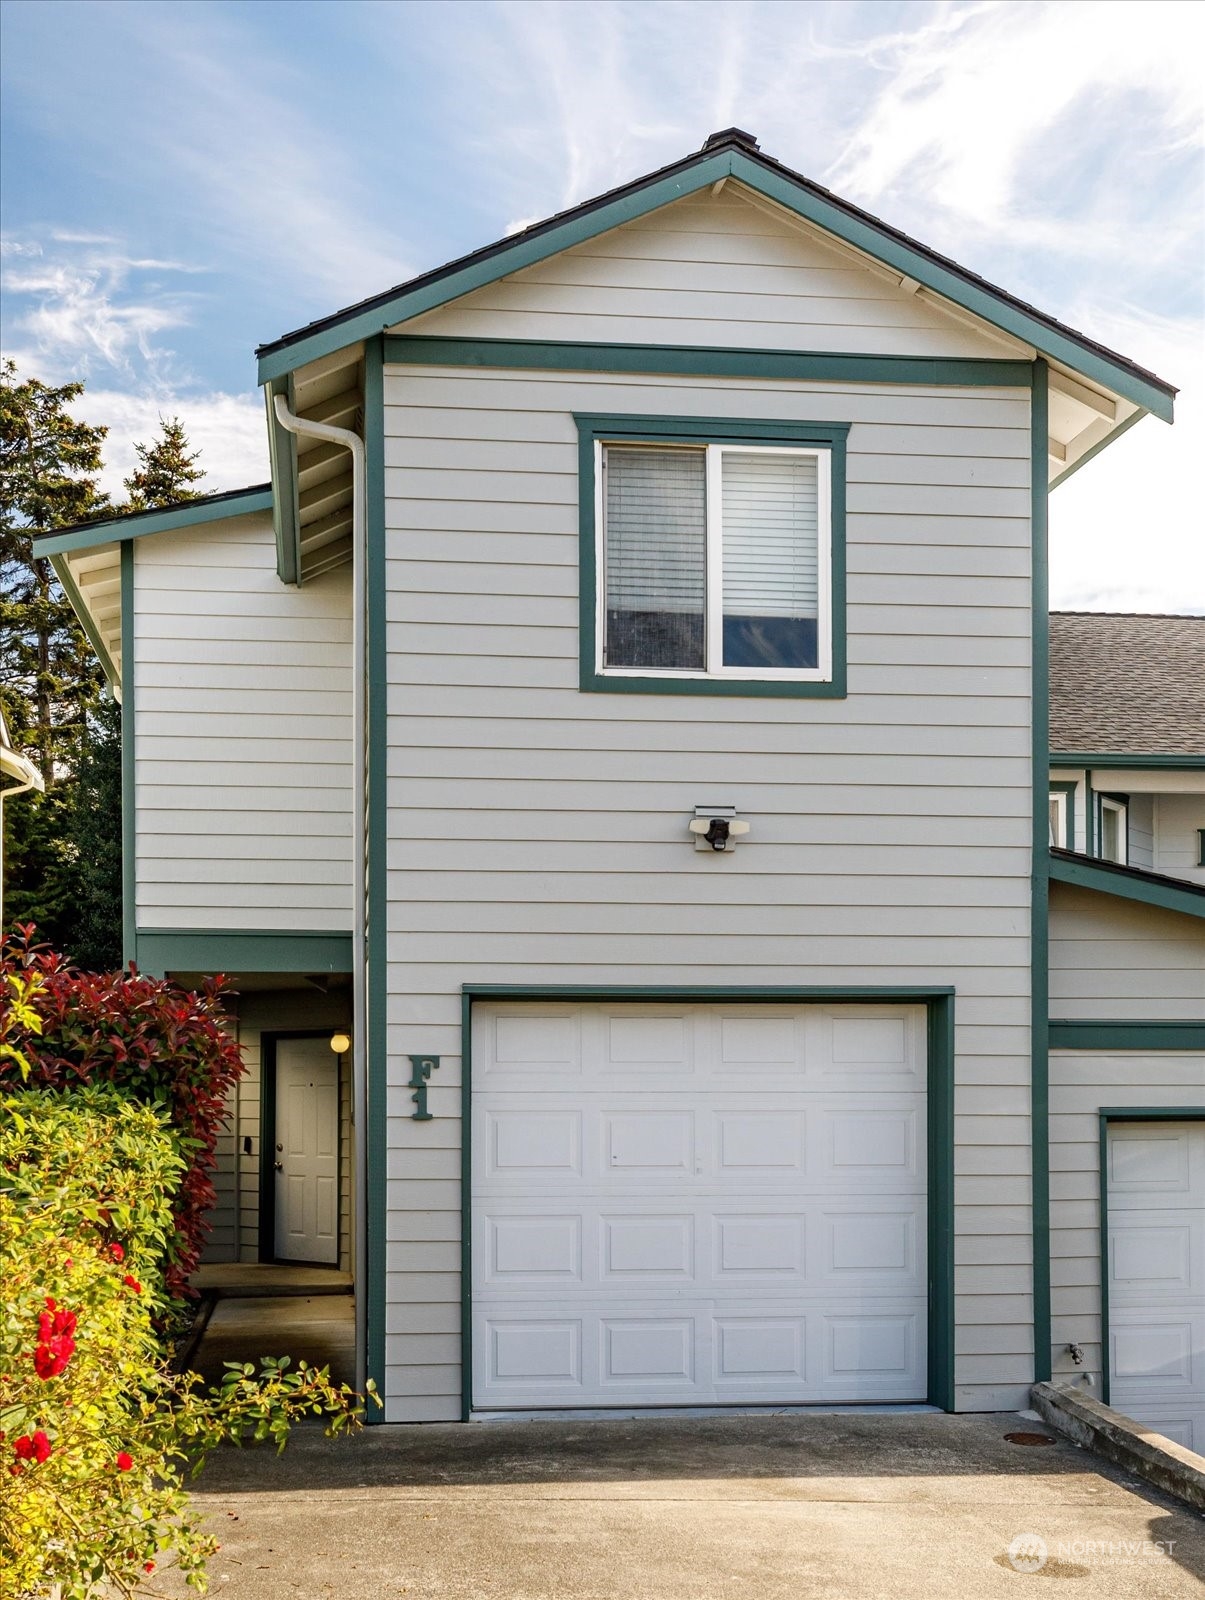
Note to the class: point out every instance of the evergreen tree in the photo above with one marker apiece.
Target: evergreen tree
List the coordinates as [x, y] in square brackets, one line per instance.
[50, 679]
[49, 676]
[94, 844]
[166, 470]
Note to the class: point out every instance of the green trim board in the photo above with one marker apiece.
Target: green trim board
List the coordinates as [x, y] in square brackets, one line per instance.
[1039, 899]
[1097, 758]
[1128, 883]
[129, 797]
[1122, 1034]
[234, 950]
[286, 509]
[730, 159]
[713, 361]
[1069, 790]
[266, 1235]
[212, 508]
[79, 605]
[1108, 1114]
[377, 980]
[1201, 847]
[593, 427]
[939, 1003]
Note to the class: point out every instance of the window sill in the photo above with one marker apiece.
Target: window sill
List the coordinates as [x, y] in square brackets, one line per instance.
[750, 688]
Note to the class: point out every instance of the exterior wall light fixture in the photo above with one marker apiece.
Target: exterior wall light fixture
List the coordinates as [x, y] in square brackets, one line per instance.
[717, 828]
[340, 1043]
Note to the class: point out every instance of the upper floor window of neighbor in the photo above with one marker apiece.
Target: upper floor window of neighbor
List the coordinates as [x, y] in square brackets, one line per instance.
[1059, 832]
[716, 561]
[1112, 817]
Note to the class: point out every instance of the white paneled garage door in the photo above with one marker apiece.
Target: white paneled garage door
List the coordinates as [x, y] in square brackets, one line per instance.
[1156, 1196]
[698, 1204]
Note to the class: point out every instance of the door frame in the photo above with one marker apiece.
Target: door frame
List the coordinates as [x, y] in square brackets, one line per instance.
[1106, 1115]
[267, 1134]
[939, 1105]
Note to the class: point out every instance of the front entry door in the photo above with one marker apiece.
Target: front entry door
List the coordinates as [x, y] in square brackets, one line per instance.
[307, 1151]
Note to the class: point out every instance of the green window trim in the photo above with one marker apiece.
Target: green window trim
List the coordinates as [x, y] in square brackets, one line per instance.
[1201, 847]
[939, 1003]
[1108, 1114]
[594, 429]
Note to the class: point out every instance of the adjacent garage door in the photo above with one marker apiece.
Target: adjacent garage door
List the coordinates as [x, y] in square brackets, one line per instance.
[1156, 1198]
[698, 1204]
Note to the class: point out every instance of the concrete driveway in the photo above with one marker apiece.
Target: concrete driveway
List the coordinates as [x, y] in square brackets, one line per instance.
[852, 1507]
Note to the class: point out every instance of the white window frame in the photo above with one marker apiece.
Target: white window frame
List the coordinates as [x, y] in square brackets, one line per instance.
[715, 670]
[1059, 804]
[1121, 809]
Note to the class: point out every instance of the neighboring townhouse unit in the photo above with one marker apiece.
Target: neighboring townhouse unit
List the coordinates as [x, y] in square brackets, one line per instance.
[623, 721]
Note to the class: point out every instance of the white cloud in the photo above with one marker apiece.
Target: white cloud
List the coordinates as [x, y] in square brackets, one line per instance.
[228, 430]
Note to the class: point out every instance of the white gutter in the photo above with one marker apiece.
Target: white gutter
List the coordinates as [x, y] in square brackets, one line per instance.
[359, 799]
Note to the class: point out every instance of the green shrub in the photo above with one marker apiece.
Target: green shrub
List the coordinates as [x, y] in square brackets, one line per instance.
[97, 1434]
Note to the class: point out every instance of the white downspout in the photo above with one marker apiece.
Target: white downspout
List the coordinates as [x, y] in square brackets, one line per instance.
[359, 1064]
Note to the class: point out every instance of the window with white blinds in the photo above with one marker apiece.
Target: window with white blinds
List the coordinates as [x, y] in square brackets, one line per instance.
[714, 559]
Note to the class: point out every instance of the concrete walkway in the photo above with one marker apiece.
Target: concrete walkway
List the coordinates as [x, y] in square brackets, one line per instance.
[797, 1507]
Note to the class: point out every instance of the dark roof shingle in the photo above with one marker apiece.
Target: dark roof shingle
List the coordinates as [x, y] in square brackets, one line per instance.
[1123, 684]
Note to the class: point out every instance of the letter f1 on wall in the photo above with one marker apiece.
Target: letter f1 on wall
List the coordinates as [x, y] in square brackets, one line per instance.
[421, 1068]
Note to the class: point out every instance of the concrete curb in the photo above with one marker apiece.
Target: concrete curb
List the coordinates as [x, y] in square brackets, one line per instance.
[1169, 1466]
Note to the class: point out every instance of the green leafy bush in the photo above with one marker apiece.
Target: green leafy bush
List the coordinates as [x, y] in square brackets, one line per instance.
[154, 1041]
[97, 1434]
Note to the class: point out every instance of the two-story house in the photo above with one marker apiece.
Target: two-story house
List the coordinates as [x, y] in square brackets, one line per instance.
[612, 760]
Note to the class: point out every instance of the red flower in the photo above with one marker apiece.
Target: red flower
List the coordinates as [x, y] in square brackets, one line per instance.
[117, 1252]
[148, 1566]
[124, 1461]
[132, 1283]
[35, 1447]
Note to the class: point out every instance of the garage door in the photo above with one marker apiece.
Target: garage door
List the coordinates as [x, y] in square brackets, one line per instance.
[698, 1204]
[1156, 1195]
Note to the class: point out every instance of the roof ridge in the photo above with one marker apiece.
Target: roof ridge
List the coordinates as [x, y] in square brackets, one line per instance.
[1166, 616]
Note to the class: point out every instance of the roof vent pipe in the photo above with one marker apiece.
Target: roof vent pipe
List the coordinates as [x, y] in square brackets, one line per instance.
[359, 799]
[730, 136]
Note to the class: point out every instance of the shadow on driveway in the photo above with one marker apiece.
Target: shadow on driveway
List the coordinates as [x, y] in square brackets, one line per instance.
[847, 1507]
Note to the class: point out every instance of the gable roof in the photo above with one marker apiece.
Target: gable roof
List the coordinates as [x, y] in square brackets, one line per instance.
[1128, 883]
[1127, 685]
[729, 154]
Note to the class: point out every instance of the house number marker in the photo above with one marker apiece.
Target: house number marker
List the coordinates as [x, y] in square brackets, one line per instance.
[421, 1068]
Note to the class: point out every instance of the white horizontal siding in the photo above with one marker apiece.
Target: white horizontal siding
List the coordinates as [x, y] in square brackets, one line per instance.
[1178, 819]
[1082, 1082]
[242, 735]
[1112, 958]
[716, 270]
[538, 835]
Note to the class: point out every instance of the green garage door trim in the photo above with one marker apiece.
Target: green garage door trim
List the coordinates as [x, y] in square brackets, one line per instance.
[939, 1003]
[1109, 1114]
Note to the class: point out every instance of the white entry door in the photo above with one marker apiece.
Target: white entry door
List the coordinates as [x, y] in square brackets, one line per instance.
[1156, 1199]
[307, 1151]
[698, 1205]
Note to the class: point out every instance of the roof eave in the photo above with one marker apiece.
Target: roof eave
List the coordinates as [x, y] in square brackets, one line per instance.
[1127, 883]
[775, 183]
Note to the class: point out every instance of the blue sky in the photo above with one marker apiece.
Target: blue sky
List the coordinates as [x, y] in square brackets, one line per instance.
[182, 181]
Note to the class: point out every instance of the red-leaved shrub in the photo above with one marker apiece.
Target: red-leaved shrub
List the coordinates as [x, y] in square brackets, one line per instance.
[148, 1038]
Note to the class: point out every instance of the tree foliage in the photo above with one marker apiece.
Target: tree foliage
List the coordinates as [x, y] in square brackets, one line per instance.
[62, 849]
[156, 1042]
[166, 470]
[49, 478]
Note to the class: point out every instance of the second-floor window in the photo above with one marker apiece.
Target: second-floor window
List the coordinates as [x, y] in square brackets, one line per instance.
[715, 561]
